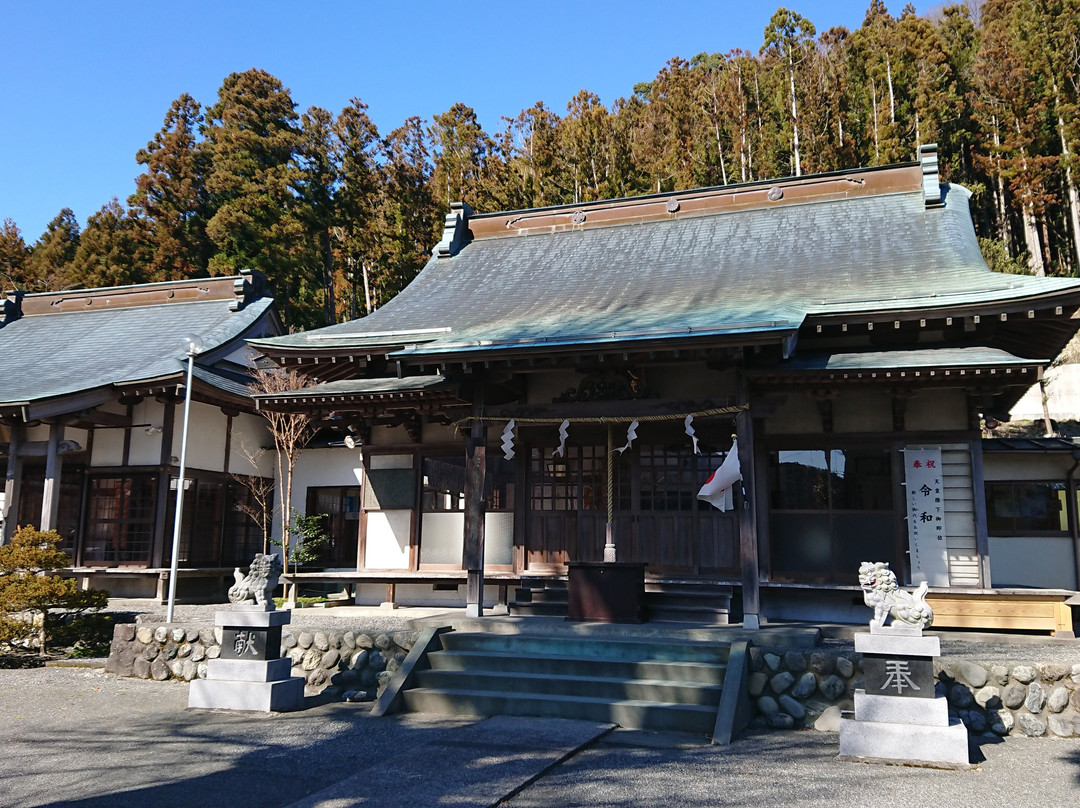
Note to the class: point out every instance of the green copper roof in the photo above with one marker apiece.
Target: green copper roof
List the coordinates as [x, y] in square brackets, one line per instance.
[750, 270]
[965, 357]
[49, 356]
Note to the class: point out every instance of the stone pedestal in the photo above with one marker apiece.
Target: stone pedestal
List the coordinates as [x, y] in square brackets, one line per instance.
[250, 673]
[898, 718]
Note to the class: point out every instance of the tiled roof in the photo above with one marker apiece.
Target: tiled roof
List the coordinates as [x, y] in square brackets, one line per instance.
[743, 270]
[46, 356]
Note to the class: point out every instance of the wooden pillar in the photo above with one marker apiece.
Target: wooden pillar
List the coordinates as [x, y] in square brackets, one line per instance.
[12, 483]
[475, 505]
[978, 486]
[50, 495]
[161, 498]
[748, 543]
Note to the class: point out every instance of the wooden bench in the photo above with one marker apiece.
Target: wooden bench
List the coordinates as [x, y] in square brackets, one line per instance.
[1019, 611]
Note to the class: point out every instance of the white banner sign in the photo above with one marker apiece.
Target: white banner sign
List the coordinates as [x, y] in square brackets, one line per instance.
[924, 482]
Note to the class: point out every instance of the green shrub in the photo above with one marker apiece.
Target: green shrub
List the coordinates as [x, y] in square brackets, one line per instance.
[30, 590]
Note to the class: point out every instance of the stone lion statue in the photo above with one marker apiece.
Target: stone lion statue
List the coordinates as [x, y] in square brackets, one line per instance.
[882, 594]
[259, 584]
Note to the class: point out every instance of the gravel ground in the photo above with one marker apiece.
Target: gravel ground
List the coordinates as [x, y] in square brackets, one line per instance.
[84, 739]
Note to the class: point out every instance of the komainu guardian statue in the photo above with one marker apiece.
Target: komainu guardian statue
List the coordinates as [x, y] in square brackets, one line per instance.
[882, 594]
[259, 584]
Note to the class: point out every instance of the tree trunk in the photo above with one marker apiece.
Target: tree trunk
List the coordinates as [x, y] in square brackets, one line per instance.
[794, 116]
[877, 148]
[1070, 186]
[1031, 241]
[892, 98]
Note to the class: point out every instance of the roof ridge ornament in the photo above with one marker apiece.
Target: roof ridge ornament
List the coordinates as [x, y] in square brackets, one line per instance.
[928, 156]
[455, 231]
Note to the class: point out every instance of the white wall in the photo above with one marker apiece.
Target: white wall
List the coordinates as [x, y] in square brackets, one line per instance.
[251, 440]
[319, 467]
[207, 434]
[145, 450]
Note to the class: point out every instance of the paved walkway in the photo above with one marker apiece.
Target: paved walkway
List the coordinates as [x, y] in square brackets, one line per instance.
[80, 738]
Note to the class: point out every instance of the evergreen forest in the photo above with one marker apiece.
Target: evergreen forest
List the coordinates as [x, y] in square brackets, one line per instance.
[340, 217]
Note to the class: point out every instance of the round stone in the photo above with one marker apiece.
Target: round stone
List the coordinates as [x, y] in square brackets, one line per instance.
[845, 667]
[1036, 698]
[795, 661]
[393, 665]
[141, 668]
[189, 670]
[960, 696]
[781, 682]
[792, 707]
[288, 641]
[829, 720]
[177, 667]
[334, 638]
[832, 687]
[822, 664]
[348, 640]
[384, 679]
[781, 721]
[1024, 674]
[1075, 674]
[305, 639]
[757, 661]
[988, 697]
[198, 653]
[184, 651]
[331, 658]
[206, 635]
[1013, 695]
[974, 675]
[192, 635]
[756, 685]
[311, 659]
[317, 677]
[772, 662]
[999, 674]
[219, 632]
[1058, 699]
[382, 642]
[974, 720]
[151, 652]
[358, 660]
[144, 635]
[1053, 672]
[213, 652]
[376, 661]
[170, 650]
[805, 687]
[1031, 725]
[178, 635]
[321, 641]
[364, 641]
[1061, 725]
[1001, 721]
[1074, 700]
[767, 705]
[161, 633]
[202, 670]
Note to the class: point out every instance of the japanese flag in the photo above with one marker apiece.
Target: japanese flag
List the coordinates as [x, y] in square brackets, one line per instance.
[717, 489]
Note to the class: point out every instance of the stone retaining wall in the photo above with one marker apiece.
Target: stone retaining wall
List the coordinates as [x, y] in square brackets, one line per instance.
[354, 665]
[797, 689]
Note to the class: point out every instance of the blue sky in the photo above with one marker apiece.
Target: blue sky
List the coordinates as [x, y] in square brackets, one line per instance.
[87, 84]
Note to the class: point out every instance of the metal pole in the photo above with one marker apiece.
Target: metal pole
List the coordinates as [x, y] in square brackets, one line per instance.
[180, 492]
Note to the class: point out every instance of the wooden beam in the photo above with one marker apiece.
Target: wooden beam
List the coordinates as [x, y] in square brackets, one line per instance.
[748, 540]
[12, 483]
[50, 495]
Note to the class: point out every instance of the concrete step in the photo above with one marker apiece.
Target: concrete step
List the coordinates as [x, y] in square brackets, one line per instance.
[688, 614]
[541, 596]
[526, 609]
[508, 664]
[629, 713]
[531, 645]
[572, 686]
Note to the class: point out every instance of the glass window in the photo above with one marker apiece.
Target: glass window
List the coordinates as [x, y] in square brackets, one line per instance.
[1018, 508]
[830, 509]
[120, 519]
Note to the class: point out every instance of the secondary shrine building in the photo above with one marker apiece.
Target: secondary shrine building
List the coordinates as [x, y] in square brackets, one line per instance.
[843, 326]
[92, 390]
